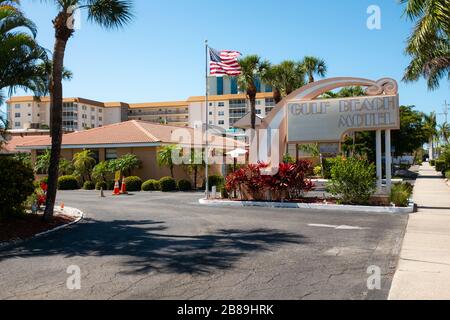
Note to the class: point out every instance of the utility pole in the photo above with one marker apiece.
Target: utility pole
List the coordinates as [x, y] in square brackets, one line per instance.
[446, 110]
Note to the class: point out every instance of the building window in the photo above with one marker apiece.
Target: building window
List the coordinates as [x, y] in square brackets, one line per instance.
[219, 86]
[29, 105]
[92, 117]
[17, 115]
[210, 113]
[258, 111]
[100, 110]
[234, 85]
[100, 118]
[221, 104]
[17, 106]
[221, 122]
[17, 124]
[92, 109]
[221, 113]
[210, 104]
[110, 154]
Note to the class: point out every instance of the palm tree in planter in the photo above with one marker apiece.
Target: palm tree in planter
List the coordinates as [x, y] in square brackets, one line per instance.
[253, 70]
[83, 163]
[165, 157]
[125, 164]
[107, 13]
[314, 66]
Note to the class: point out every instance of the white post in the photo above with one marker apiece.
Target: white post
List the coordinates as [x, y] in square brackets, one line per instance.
[379, 162]
[388, 161]
[207, 123]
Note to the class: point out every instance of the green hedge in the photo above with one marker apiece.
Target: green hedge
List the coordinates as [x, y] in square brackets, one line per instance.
[16, 186]
[441, 166]
[89, 185]
[133, 183]
[184, 185]
[151, 185]
[168, 184]
[215, 180]
[432, 163]
[110, 185]
[353, 181]
[68, 183]
[401, 193]
[101, 185]
[328, 166]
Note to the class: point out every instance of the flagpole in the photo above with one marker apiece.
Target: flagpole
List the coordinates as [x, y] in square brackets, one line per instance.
[207, 121]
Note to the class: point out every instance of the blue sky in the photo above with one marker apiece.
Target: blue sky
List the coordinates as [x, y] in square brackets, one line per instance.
[160, 56]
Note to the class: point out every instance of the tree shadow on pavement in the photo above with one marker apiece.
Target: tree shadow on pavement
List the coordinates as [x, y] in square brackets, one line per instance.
[145, 246]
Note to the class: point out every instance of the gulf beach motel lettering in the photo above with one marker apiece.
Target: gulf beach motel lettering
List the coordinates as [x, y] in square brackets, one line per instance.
[329, 120]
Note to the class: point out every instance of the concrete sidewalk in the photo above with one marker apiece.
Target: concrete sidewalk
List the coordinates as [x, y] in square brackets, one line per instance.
[424, 268]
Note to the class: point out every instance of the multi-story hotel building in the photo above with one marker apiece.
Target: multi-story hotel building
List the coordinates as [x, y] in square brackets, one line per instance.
[78, 113]
[225, 107]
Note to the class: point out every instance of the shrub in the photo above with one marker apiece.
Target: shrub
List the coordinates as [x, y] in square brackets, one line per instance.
[184, 185]
[133, 183]
[17, 185]
[317, 171]
[101, 185]
[89, 185]
[353, 180]
[68, 183]
[432, 163]
[214, 180]
[150, 185]
[400, 194]
[441, 166]
[168, 184]
[328, 166]
[288, 183]
[110, 185]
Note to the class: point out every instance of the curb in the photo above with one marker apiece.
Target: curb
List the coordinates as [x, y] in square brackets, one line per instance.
[72, 212]
[314, 207]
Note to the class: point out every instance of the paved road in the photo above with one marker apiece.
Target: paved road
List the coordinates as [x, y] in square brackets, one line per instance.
[166, 246]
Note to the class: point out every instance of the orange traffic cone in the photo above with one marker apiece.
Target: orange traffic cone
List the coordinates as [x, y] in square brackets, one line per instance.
[124, 187]
[62, 205]
[116, 189]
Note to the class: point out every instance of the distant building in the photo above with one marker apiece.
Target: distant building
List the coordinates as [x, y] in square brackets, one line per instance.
[225, 107]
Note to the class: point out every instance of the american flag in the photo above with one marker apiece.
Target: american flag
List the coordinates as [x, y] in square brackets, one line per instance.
[224, 63]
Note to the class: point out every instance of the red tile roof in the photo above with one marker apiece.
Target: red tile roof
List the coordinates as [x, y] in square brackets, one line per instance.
[10, 146]
[126, 133]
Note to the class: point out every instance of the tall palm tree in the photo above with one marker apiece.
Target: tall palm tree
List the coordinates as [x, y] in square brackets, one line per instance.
[83, 163]
[107, 13]
[430, 127]
[429, 44]
[444, 132]
[253, 70]
[314, 66]
[284, 78]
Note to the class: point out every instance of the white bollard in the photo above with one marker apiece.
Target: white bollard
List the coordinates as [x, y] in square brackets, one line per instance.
[214, 192]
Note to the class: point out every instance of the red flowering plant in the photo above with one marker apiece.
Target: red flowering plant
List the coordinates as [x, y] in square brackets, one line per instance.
[289, 182]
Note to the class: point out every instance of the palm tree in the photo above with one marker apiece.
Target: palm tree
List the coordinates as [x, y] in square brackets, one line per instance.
[430, 127]
[444, 132]
[125, 164]
[314, 66]
[165, 157]
[42, 163]
[107, 13]
[284, 78]
[83, 163]
[20, 54]
[253, 70]
[428, 45]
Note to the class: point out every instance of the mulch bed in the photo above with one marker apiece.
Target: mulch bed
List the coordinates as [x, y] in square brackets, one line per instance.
[26, 227]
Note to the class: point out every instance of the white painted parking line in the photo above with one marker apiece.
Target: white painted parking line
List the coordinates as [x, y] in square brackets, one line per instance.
[342, 227]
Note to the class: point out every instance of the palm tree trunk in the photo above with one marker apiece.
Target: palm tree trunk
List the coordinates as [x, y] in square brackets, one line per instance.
[311, 78]
[62, 35]
[277, 96]
[252, 98]
[195, 177]
[430, 147]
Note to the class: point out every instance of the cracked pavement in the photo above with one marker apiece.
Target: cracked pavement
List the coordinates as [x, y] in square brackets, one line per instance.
[167, 246]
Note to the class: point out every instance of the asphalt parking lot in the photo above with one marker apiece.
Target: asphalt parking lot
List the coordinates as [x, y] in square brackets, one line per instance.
[167, 246]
